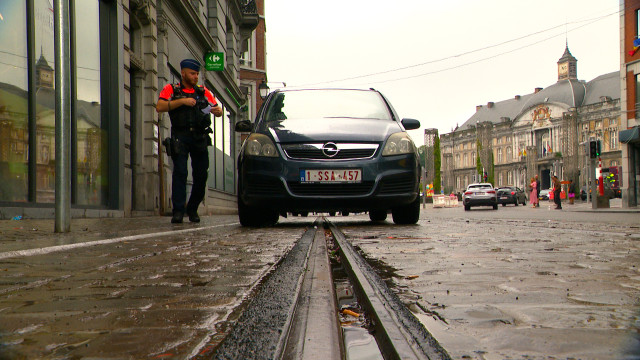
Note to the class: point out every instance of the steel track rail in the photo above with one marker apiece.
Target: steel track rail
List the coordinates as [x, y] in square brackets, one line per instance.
[398, 333]
[294, 313]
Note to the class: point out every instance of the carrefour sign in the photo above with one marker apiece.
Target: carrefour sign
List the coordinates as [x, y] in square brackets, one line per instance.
[214, 61]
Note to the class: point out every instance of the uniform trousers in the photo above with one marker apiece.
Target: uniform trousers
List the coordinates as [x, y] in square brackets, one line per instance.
[187, 147]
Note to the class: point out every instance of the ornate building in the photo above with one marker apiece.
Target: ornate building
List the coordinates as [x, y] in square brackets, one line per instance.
[541, 133]
[122, 53]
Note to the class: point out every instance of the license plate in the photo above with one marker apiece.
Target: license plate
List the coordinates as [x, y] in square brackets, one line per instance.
[479, 193]
[331, 176]
[504, 197]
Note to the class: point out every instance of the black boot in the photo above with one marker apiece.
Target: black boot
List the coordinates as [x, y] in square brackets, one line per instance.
[193, 216]
[177, 217]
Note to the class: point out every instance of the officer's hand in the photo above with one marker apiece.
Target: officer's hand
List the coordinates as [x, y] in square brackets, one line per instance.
[216, 110]
[189, 102]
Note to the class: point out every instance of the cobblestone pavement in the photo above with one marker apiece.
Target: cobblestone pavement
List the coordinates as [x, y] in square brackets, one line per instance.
[489, 284]
[516, 283]
[127, 288]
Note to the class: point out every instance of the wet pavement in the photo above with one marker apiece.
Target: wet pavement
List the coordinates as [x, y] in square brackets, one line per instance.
[516, 283]
[128, 288]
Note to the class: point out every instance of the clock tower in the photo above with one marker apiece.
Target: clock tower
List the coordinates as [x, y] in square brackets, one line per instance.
[44, 73]
[567, 66]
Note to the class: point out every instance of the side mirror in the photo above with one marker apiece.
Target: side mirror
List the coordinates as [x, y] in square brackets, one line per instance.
[410, 124]
[244, 126]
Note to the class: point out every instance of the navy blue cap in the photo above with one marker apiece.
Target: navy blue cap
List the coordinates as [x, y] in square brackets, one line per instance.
[190, 64]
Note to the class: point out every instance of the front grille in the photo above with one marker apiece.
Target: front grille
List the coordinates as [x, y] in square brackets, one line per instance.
[264, 186]
[315, 152]
[355, 189]
[397, 184]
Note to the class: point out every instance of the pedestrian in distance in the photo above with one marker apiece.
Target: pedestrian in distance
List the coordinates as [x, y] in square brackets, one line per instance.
[537, 191]
[533, 195]
[557, 188]
[190, 107]
[572, 191]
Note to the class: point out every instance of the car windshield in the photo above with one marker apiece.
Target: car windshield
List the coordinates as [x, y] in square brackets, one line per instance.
[478, 187]
[315, 104]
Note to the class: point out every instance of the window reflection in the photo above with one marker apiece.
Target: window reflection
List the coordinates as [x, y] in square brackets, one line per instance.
[229, 163]
[90, 133]
[45, 103]
[14, 135]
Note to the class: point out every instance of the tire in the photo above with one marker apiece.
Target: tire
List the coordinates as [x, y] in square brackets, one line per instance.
[254, 217]
[495, 207]
[503, 204]
[467, 208]
[407, 214]
[378, 215]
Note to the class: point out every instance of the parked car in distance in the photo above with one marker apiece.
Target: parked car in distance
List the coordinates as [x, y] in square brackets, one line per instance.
[480, 194]
[544, 194]
[328, 150]
[583, 193]
[511, 195]
[609, 192]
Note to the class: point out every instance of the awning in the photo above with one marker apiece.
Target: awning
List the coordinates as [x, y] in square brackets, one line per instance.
[630, 135]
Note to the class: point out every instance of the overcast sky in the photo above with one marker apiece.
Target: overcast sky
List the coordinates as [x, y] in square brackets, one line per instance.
[436, 60]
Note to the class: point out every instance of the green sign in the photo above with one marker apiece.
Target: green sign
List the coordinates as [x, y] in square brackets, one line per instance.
[214, 61]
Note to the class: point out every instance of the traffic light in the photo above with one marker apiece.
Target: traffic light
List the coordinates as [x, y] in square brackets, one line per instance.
[598, 148]
[593, 149]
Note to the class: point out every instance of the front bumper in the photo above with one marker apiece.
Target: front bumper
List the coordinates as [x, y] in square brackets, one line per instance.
[274, 183]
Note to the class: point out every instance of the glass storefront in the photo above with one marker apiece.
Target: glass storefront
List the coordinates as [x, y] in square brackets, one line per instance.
[221, 160]
[91, 159]
[89, 139]
[14, 125]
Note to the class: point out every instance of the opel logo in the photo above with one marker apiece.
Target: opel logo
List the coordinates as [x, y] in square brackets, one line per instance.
[330, 149]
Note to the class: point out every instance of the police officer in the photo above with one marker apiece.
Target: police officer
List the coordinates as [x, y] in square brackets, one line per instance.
[189, 106]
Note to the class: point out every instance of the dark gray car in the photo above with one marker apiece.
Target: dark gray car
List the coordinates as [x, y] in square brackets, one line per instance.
[328, 150]
[511, 195]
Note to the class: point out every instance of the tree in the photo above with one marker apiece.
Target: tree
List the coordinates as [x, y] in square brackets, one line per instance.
[437, 163]
[492, 171]
[478, 161]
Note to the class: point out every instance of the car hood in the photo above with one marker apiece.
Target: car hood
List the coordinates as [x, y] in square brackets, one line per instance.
[338, 129]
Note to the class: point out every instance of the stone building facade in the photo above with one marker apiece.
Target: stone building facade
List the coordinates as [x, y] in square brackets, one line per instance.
[122, 53]
[541, 133]
[630, 80]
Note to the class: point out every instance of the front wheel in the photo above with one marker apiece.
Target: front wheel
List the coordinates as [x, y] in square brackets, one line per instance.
[407, 214]
[378, 215]
[255, 217]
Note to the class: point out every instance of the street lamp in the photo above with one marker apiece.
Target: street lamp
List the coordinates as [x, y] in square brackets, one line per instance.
[263, 88]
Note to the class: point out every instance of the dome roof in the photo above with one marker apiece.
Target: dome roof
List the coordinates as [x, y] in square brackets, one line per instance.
[568, 92]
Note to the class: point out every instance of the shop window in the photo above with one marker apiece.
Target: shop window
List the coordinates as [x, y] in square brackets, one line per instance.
[91, 160]
[13, 102]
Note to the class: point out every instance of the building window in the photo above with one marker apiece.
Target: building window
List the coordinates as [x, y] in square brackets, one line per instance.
[637, 105]
[91, 152]
[499, 156]
[246, 57]
[613, 139]
[638, 23]
[13, 103]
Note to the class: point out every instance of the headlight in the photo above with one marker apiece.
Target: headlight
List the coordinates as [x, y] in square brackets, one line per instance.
[260, 145]
[398, 143]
